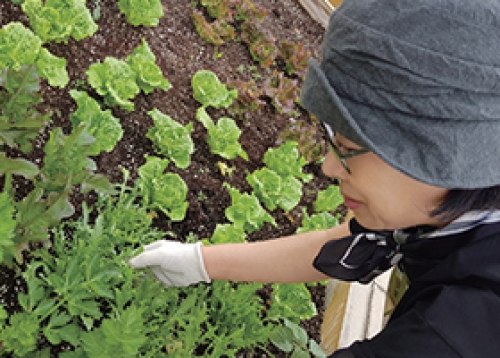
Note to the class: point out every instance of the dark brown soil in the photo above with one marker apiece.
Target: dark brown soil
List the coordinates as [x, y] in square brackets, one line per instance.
[180, 53]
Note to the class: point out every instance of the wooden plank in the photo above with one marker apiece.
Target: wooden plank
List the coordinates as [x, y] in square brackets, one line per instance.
[319, 10]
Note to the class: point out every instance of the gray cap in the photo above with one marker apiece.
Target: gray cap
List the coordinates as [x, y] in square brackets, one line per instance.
[418, 83]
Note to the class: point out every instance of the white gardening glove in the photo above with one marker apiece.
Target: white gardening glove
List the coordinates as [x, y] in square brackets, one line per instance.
[174, 263]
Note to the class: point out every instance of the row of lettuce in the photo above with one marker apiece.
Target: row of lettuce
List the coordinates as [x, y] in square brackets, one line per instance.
[81, 295]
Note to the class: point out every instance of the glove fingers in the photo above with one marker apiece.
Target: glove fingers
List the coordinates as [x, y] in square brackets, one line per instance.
[160, 275]
[154, 245]
[146, 259]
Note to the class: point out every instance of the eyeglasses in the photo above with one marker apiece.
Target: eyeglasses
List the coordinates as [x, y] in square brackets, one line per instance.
[341, 156]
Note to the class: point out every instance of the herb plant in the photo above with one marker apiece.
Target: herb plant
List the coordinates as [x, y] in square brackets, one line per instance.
[20, 122]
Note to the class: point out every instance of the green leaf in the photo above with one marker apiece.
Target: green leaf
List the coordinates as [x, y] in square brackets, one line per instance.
[18, 46]
[149, 75]
[246, 212]
[225, 233]
[320, 221]
[141, 12]
[18, 166]
[115, 80]
[171, 139]
[57, 20]
[286, 161]
[328, 199]
[102, 125]
[283, 338]
[209, 91]
[52, 68]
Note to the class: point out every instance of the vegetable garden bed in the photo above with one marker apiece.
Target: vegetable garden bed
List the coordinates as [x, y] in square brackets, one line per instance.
[141, 127]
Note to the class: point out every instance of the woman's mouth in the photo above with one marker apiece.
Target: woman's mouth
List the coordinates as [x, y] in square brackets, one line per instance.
[351, 203]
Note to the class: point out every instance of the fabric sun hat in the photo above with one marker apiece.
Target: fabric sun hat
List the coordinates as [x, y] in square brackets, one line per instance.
[418, 83]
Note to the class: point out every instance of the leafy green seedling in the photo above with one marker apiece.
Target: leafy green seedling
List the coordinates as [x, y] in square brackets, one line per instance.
[171, 139]
[210, 91]
[291, 301]
[115, 80]
[246, 212]
[141, 12]
[225, 233]
[20, 47]
[102, 125]
[223, 136]
[286, 161]
[292, 338]
[7, 227]
[57, 20]
[149, 75]
[20, 122]
[274, 190]
[320, 221]
[328, 199]
[166, 192]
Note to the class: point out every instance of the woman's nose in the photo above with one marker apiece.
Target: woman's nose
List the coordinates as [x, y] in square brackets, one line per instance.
[332, 167]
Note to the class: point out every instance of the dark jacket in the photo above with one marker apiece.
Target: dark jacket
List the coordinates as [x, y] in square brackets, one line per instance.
[452, 306]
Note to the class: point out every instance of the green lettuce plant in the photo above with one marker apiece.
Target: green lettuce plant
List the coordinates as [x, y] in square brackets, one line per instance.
[120, 81]
[58, 20]
[19, 47]
[319, 221]
[223, 136]
[274, 190]
[165, 191]
[328, 199]
[246, 212]
[287, 161]
[102, 125]
[115, 80]
[171, 138]
[141, 12]
[20, 121]
[149, 75]
[210, 91]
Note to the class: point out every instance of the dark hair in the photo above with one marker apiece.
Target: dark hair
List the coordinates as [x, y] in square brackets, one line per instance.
[460, 201]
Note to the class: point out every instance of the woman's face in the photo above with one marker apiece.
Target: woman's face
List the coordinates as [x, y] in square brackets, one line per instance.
[380, 197]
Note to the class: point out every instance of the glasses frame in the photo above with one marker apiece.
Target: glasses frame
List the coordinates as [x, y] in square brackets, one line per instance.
[335, 149]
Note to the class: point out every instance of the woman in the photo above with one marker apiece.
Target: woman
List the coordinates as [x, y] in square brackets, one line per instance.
[411, 89]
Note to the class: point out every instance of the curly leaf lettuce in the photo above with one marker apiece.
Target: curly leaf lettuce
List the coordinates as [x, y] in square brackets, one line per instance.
[166, 192]
[115, 80]
[149, 75]
[141, 12]
[102, 125]
[246, 212]
[20, 47]
[171, 139]
[210, 91]
[273, 190]
[223, 136]
[286, 161]
[58, 20]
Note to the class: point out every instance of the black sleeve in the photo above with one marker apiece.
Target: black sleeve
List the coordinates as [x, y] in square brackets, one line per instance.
[459, 322]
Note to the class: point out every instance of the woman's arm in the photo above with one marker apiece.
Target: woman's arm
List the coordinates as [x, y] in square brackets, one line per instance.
[287, 259]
